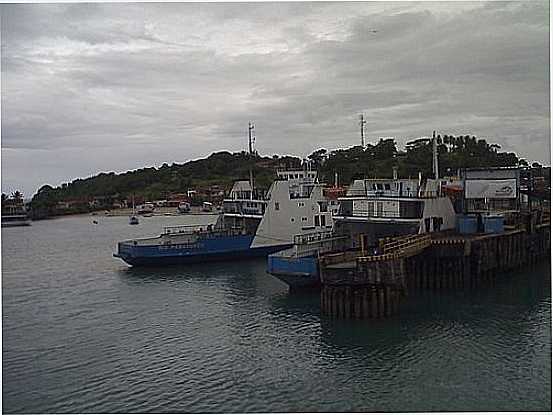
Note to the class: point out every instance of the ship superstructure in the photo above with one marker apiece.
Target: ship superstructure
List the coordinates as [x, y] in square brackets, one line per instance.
[377, 208]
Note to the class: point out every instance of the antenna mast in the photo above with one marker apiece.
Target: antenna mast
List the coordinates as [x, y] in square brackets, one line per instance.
[362, 123]
[435, 156]
[251, 137]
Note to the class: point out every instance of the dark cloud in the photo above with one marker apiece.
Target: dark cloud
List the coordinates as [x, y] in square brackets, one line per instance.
[109, 87]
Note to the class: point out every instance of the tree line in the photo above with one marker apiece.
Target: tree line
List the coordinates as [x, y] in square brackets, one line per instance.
[223, 168]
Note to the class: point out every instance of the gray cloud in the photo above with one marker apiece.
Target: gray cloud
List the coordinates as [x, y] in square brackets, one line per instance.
[110, 87]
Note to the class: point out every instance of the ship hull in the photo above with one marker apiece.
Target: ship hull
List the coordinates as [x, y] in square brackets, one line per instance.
[296, 272]
[216, 249]
[13, 223]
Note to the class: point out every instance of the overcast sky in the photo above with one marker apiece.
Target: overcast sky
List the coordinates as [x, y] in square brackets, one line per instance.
[112, 87]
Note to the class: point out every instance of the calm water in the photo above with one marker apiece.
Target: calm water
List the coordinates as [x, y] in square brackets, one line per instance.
[82, 332]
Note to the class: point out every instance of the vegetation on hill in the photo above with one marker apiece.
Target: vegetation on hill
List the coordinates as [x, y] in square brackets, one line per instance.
[379, 159]
[223, 168]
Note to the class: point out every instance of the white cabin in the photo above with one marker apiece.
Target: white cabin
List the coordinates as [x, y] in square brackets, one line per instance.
[296, 206]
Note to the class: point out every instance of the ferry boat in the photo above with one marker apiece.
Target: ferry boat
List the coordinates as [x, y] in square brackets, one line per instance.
[251, 224]
[370, 210]
[378, 208]
[14, 214]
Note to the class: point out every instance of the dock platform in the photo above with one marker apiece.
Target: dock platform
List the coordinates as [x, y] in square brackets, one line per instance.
[360, 286]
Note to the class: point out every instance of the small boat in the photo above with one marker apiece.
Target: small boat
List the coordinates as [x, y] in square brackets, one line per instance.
[133, 219]
[184, 207]
[146, 209]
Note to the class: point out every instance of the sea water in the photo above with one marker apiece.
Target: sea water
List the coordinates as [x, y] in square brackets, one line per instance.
[84, 332]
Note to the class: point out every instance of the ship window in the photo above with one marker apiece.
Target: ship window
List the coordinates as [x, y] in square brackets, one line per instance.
[317, 221]
[323, 220]
[379, 186]
[379, 208]
[301, 204]
[370, 208]
[304, 219]
[277, 206]
[387, 186]
[292, 219]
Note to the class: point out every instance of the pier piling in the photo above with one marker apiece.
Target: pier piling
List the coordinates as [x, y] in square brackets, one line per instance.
[373, 287]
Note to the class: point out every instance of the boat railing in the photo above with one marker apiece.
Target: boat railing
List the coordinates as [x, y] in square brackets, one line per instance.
[383, 193]
[376, 213]
[315, 244]
[304, 238]
[204, 230]
[394, 194]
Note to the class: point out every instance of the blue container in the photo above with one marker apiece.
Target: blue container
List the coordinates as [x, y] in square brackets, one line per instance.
[493, 223]
[467, 224]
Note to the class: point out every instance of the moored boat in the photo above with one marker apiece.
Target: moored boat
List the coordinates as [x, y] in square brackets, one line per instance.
[14, 213]
[133, 219]
[370, 210]
[252, 224]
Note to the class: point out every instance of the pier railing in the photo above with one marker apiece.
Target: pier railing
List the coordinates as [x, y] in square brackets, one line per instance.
[405, 245]
[340, 257]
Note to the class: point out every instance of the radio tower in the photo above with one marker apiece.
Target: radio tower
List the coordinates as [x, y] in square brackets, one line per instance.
[251, 140]
[362, 123]
[251, 137]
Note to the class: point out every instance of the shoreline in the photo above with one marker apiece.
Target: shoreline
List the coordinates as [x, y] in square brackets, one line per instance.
[160, 211]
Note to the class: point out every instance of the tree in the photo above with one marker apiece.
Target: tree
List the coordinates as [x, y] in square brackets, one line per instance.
[17, 196]
[318, 157]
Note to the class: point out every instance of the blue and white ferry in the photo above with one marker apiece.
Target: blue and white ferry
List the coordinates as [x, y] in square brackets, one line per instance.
[251, 225]
[372, 209]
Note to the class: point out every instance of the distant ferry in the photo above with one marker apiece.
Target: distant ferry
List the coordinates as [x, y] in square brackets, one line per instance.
[252, 224]
[14, 214]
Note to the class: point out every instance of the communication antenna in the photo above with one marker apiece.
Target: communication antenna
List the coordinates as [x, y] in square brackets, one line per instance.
[362, 123]
[251, 137]
[435, 156]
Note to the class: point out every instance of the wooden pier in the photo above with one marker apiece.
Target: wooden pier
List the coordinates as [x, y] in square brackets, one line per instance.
[357, 286]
